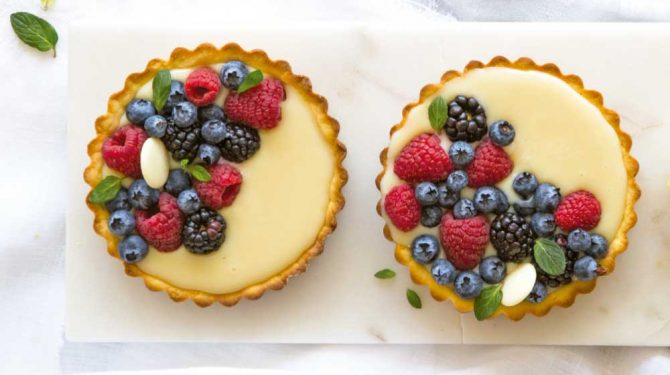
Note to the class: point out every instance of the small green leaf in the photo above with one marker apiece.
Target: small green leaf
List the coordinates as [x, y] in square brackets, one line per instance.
[488, 301]
[184, 164]
[252, 80]
[385, 274]
[438, 113]
[161, 88]
[46, 4]
[413, 299]
[199, 172]
[106, 190]
[34, 31]
[549, 256]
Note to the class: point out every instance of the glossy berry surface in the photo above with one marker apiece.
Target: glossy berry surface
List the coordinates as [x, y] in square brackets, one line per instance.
[177, 182]
[457, 181]
[443, 271]
[431, 216]
[468, 285]
[139, 110]
[426, 193]
[538, 293]
[208, 153]
[175, 96]
[155, 126]
[525, 184]
[464, 209]
[586, 268]
[487, 199]
[598, 248]
[121, 222]
[204, 231]
[492, 269]
[211, 112]
[425, 248]
[133, 249]
[501, 133]
[579, 240]
[188, 201]
[461, 153]
[213, 131]
[120, 202]
[466, 120]
[546, 197]
[524, 207]
[543, 224]
[184, 114]
[233, 74]
[447, 198]
[141, 195]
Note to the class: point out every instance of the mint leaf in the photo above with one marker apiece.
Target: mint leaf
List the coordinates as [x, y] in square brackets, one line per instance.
[385, 274]
[184, 164]
[413, 299]
[549, 256]
[488, 301]
[251, 80]
[438, 113]
[199, 172]
[34, 31]
[106, 190]
[161, 88]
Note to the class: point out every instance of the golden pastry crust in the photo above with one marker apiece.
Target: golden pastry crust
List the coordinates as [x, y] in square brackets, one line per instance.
[565, 295]
[206, 54]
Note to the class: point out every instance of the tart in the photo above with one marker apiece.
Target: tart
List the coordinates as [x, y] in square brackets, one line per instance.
[216, 174]
[508, 188]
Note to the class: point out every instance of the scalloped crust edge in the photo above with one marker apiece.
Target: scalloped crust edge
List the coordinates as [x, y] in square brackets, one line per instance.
[565, 295]
[206, 54]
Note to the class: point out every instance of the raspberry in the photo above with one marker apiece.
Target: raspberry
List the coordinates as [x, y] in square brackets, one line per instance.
[258, 107]
[161, 229]
[490, 165]
[202, 86]
[402, 207]
[580, 209]
[464, 240]
[121, 151]
[222, 189]
[423, 159]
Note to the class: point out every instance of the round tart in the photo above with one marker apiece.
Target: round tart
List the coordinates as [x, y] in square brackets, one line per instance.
[508, 188]
[215, 174]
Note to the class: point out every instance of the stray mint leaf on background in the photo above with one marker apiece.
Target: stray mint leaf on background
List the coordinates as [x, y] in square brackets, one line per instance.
[161, 88]
[106, 190]
[34, 31]
[199, 172]
[252, 80]
[413, 299]
[549, 256]
[438, 113]
[488, 301]
[46, 4]
[385, 274]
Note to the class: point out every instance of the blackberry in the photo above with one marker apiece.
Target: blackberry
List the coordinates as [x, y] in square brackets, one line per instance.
[466, 121]
[240, 143]
[570, 259]
[182, 143]
[204, 231]
[512, 237]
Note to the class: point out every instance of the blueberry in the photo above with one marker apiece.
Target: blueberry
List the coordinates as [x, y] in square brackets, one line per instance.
[176, 96]
[139, 110]
[133, 248]
[487, 199]
[188, 201]
[538, 293]
[425, 248]
[208, 153]
[468, 284]
[457, 181]
[211, 112]
[120, 202]
[155, 126]
[121, 222]
[524, 207]
[547, 197]
[431, 216]
[586, 268]
[177, 182]
[464, 209]
[501, 133]
[184, 114]
[443, 271]
[447, 198]
[492, 269]
[525, 184]
[214, 131]
[426, 193]
[142, 196]
[598, 247]
[461, 153]
[233, 73]
[579, 240]
[543, 224]
[503, 206]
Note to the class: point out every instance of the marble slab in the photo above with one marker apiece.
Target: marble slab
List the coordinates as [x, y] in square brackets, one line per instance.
[368, 73]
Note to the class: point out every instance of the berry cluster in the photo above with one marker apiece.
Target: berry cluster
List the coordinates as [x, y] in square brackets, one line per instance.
[181, 208]
[455, 190]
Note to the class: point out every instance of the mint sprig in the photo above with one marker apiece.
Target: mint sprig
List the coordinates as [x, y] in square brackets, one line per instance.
[34, 31]
[106, 190]
[385, 274]
[161, 88]
[196, 170]
[252, 80]
[488, 301]
[549, 256]
[413, 299]
[438, 113]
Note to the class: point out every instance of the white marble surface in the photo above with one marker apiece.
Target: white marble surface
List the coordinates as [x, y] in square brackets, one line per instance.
[32, 230]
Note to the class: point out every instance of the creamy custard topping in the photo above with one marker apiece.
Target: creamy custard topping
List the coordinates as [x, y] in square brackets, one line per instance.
[277, 214]
[560, 137]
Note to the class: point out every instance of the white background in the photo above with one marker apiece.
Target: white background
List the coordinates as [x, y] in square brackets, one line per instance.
[32, 187]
